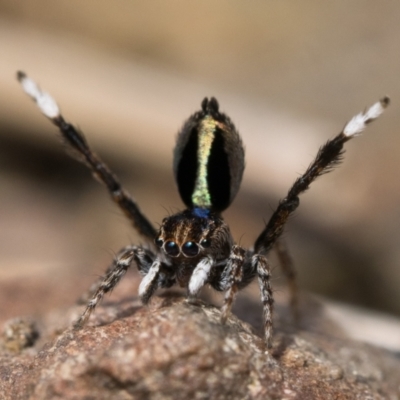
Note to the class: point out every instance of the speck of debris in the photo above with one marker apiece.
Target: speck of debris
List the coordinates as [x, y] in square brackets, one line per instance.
[19, 334]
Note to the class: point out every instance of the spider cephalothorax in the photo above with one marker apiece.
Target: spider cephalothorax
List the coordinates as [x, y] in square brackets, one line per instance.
[188, 236]
[195, 247]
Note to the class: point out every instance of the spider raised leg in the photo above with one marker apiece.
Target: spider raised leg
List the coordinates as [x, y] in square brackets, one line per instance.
[195, 247]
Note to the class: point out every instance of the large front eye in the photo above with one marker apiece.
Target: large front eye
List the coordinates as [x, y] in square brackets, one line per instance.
[190, 249]
[171, 248]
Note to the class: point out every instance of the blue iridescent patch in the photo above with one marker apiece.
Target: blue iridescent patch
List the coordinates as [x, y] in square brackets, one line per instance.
[201, 212]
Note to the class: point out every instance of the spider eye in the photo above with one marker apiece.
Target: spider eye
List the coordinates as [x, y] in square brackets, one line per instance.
[159, 242]
[205, 243]
[171, 248]
[190, 249]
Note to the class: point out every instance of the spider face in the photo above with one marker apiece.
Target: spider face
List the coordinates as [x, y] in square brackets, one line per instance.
[194, 234]
[195, 247]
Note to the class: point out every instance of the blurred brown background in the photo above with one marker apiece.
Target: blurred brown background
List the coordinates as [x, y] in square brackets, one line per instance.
[290, 74]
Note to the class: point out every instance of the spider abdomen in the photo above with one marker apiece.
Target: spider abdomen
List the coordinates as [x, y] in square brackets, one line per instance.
[208, 159]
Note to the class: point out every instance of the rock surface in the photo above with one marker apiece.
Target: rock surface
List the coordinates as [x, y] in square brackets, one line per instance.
[176, 350]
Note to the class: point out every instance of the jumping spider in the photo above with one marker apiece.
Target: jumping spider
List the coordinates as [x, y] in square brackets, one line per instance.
[195, 247]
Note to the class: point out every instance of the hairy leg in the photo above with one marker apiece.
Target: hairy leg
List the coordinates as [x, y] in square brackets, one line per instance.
[261, 263]
[328, 157]
[232, 276]
[114, 273]
[77, 142]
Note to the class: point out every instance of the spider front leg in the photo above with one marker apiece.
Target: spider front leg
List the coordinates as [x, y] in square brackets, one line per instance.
[144, 259]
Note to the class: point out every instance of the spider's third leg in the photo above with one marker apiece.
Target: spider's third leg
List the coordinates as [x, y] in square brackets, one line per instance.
[261, 263]
[233, 275]
[115, 272]
[328, 157]
[77, 142]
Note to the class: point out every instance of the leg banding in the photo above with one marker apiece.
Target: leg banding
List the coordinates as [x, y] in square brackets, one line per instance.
[264, 277]
[234, 275]
[114, 273]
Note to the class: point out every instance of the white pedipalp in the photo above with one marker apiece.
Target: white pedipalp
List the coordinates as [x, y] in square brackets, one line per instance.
[149, 278]
[200, 275]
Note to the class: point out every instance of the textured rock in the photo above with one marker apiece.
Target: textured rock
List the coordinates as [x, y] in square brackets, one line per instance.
[176, 350]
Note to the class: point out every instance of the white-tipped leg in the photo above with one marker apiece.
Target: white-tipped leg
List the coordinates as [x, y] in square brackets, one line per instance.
[199, 276]
[328, 157]
[45, 102]
[359, 122]
[149, 282]
[77, 142]
[264, 277]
